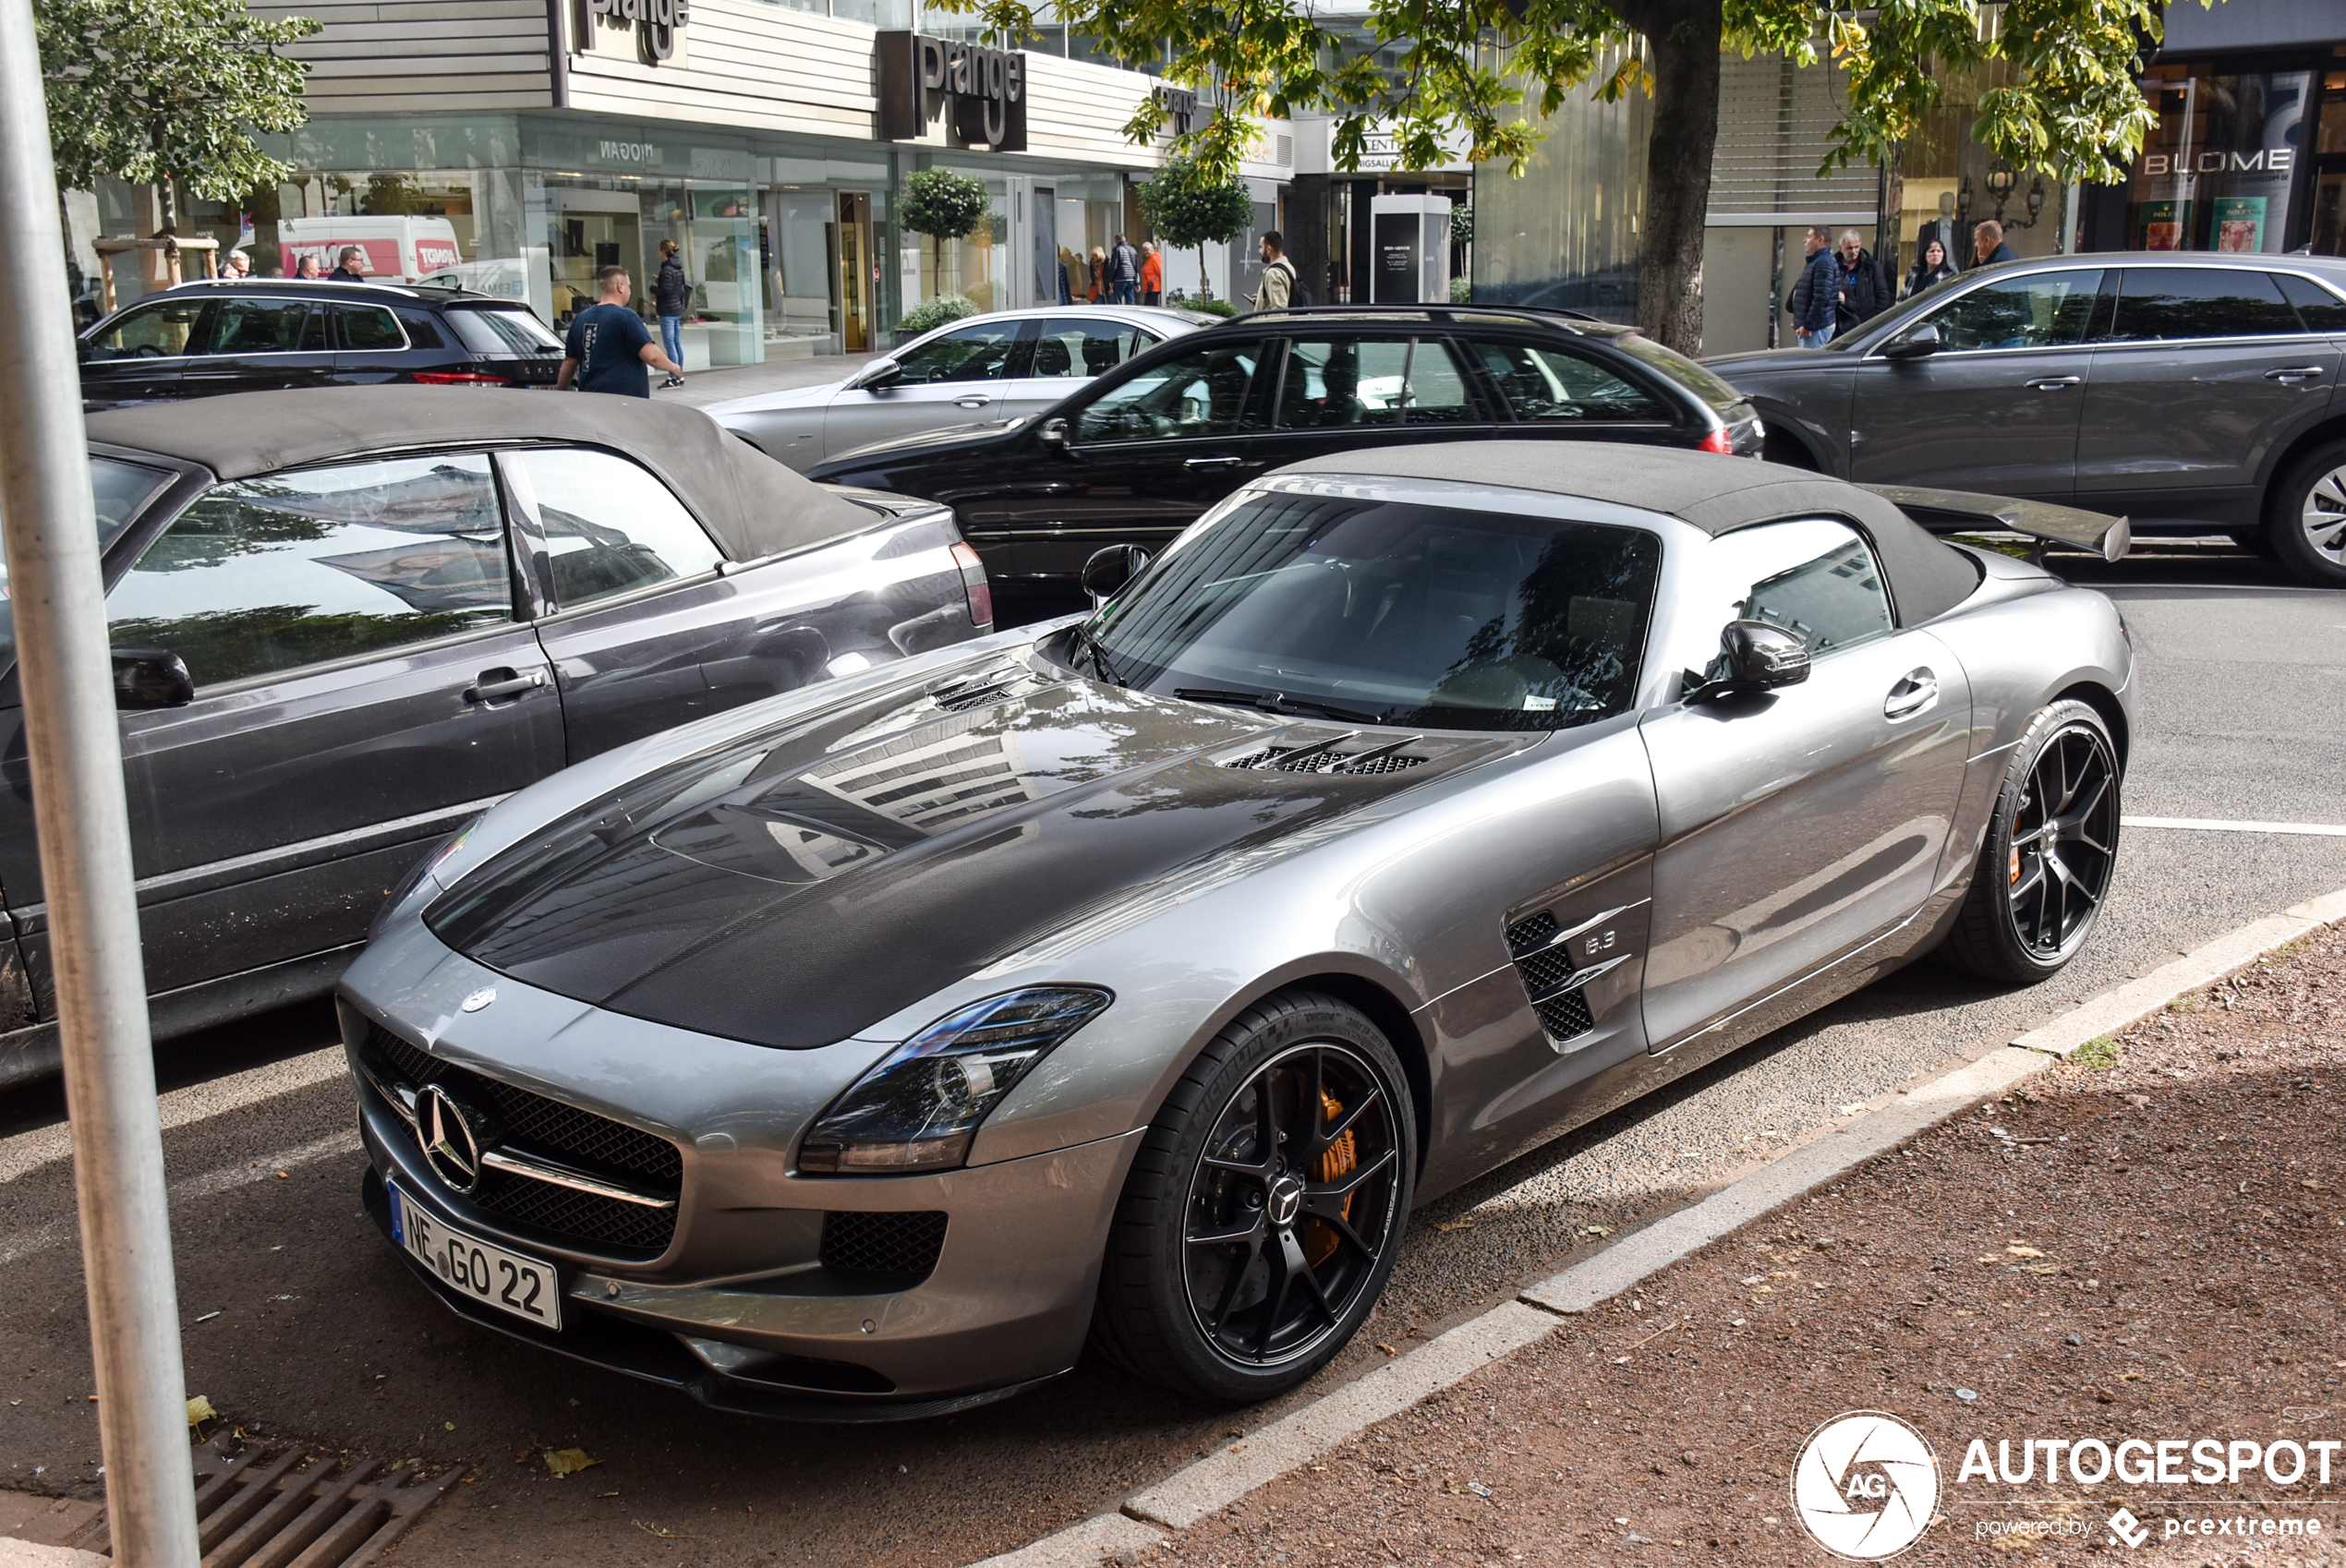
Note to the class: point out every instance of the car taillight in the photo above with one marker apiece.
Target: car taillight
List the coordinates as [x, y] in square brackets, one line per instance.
[974, 587]
[461, 379]
[1721, 440]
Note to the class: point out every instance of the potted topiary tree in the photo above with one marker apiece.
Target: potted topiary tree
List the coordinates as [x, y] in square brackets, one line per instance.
[943, 205]
[1190, 207]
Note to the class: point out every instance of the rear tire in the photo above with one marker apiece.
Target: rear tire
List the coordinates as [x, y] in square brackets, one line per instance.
[2051, 850]
[2305, 517]
[1257, 1228]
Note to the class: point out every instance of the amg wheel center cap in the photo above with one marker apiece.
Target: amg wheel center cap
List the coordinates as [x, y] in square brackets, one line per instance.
[1287, 1200]
[451, 1138]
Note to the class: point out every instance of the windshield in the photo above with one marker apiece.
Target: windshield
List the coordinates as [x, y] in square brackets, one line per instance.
[1387, 612]
[120, 490]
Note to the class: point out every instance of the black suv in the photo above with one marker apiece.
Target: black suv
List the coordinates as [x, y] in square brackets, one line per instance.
[2192, 392]
[274, 335]
[1134, 456]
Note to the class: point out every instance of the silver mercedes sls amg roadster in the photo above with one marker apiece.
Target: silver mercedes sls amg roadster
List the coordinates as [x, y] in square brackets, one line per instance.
[867, 1051]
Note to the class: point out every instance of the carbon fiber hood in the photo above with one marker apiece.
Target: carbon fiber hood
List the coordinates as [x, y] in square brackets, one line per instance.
[801, 884]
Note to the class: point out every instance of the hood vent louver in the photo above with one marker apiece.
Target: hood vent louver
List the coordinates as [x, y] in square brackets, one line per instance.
[1324, 756]
[987, 687]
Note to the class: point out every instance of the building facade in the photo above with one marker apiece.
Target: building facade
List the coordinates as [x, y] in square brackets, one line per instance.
[519, 145]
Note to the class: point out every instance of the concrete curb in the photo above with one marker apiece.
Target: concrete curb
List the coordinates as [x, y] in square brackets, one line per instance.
[1151, 1517]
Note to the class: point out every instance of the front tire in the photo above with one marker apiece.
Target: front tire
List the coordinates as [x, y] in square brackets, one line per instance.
[1264, 1209]
[2051, 850]
[2305, 517]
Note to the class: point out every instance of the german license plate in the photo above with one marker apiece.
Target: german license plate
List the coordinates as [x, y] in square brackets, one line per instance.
[524, 1286]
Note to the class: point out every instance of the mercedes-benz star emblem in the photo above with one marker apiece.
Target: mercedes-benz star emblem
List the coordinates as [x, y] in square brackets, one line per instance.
[1287, 1198]
[478, 999]
[451, 1143]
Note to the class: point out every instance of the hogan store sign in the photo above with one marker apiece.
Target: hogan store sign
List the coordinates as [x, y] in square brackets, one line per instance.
[983, 89]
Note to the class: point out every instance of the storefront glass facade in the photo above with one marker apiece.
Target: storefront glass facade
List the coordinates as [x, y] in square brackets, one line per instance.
[2224, 169]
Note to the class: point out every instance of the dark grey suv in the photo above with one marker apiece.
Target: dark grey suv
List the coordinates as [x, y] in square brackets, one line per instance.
[2193, 394]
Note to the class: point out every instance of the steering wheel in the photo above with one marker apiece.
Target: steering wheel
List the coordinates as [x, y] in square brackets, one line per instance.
[146, 351]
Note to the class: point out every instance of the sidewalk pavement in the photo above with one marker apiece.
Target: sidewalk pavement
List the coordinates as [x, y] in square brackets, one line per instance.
[702, 388]
[2141, 1243]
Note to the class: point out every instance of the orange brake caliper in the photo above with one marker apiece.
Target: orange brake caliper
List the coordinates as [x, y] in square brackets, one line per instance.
[1341, 1157]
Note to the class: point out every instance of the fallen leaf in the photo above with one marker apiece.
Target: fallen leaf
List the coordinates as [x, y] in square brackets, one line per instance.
[655, 1530]
[199, 1410]
[1387, 1349]
[1454, 1225]
[1599, 1230]
[2315, 1186]
[2024, 1251]
[569, 1461]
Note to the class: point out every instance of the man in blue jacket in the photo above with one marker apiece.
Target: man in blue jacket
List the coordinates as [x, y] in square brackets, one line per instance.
[1816, 298]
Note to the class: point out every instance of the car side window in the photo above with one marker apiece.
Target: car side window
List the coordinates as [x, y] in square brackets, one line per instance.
[163, 329]
[2041, 310]
[966, 354]
[1814, 578]
[293, 569]
[1077, 347]
[611, 527]
[2321, 310]
[1340, 383]
[1545, 385]
[1202, 392]
[367, 327]
[268, 326]
[2159, 304]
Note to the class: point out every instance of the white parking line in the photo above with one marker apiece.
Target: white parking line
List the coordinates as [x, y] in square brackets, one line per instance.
[197, 1101]
[2211, 824]
[40, 1239]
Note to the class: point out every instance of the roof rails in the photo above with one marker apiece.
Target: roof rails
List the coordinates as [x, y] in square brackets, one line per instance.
[1541, 313]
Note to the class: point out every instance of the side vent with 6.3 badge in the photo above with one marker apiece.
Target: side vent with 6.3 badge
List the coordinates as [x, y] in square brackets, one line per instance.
[1557, 963]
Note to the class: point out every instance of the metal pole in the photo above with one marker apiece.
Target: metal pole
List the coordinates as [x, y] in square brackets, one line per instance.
[66, 675]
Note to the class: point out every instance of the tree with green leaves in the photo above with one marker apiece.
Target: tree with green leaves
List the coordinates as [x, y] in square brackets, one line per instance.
[1192, 205]
[943, 205]
[168, 93]
[2070, 105]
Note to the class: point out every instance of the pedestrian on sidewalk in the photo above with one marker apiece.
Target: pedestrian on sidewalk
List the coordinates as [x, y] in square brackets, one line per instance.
[1988, 246]
[608, 346]
[1862, 291]
[1099, 275]
[239, 265]
[1151, 273]
[309, 271]
[1930, 267]
[1816, 295]
[1278, 274]
[350, 267]
[1124, 271]
[670, 296]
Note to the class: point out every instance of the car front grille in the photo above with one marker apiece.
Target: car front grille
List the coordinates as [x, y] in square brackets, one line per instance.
[1543, 964]
[534, 1124]
[905, 1244]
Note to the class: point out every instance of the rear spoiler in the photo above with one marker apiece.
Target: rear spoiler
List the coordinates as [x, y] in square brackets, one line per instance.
[1955, 512]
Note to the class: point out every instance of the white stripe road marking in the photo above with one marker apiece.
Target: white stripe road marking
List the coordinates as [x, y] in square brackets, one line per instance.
[2211, 824]
[197, 1101]
[40, 1239]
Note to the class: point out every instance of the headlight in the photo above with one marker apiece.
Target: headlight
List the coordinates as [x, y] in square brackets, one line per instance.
[424, 868]
[919, 1108]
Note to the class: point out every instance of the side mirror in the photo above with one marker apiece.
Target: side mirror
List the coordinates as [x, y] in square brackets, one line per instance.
[1760, 658]
[151, 678]
[1053, 432]
[1912, 343]
[878, 374]
[1110, 567]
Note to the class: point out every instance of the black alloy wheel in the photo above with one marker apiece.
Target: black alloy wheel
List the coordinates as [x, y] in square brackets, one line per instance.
[2051, 850]
[1264, 1208]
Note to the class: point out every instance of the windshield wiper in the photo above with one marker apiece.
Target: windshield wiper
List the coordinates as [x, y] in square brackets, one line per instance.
[1083, 639]
[1278, 702]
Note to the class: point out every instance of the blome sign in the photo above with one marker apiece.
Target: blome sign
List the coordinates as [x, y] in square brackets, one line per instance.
[1867, 1484]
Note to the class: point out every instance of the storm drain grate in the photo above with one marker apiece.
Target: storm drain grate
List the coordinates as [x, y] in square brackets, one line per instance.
[265, 1507]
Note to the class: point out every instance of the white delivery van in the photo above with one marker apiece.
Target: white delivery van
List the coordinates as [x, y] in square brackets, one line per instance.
[398, 249]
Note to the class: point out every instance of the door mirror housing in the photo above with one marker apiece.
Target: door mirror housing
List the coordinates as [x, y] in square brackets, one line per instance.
[1915, 342]
[1053, 432]
[1760, 658]
[151, 678]
[1110, 567]
[878, 374]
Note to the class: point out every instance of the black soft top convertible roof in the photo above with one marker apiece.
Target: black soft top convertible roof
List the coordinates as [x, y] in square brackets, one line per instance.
[1927, 577]
[752, 504]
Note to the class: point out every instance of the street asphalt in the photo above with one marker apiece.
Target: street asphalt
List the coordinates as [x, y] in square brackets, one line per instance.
[300, 1324]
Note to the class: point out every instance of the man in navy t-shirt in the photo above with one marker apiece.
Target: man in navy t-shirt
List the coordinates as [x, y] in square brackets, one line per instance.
[609, 345]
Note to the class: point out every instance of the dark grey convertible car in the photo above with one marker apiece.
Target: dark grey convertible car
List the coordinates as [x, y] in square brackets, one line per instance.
[344, 619]
[865, 1051]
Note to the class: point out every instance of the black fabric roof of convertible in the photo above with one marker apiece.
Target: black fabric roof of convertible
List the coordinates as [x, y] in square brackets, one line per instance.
[753, 504]
[1927, 577]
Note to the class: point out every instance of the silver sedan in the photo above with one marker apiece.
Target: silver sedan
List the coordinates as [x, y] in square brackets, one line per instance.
[1000, 365]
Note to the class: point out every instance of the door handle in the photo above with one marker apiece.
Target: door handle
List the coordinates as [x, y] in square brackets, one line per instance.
[2294, 373]
[1207, 464]
[973, 400]
[492, 684]
[2054, 383]
[1915, 692]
